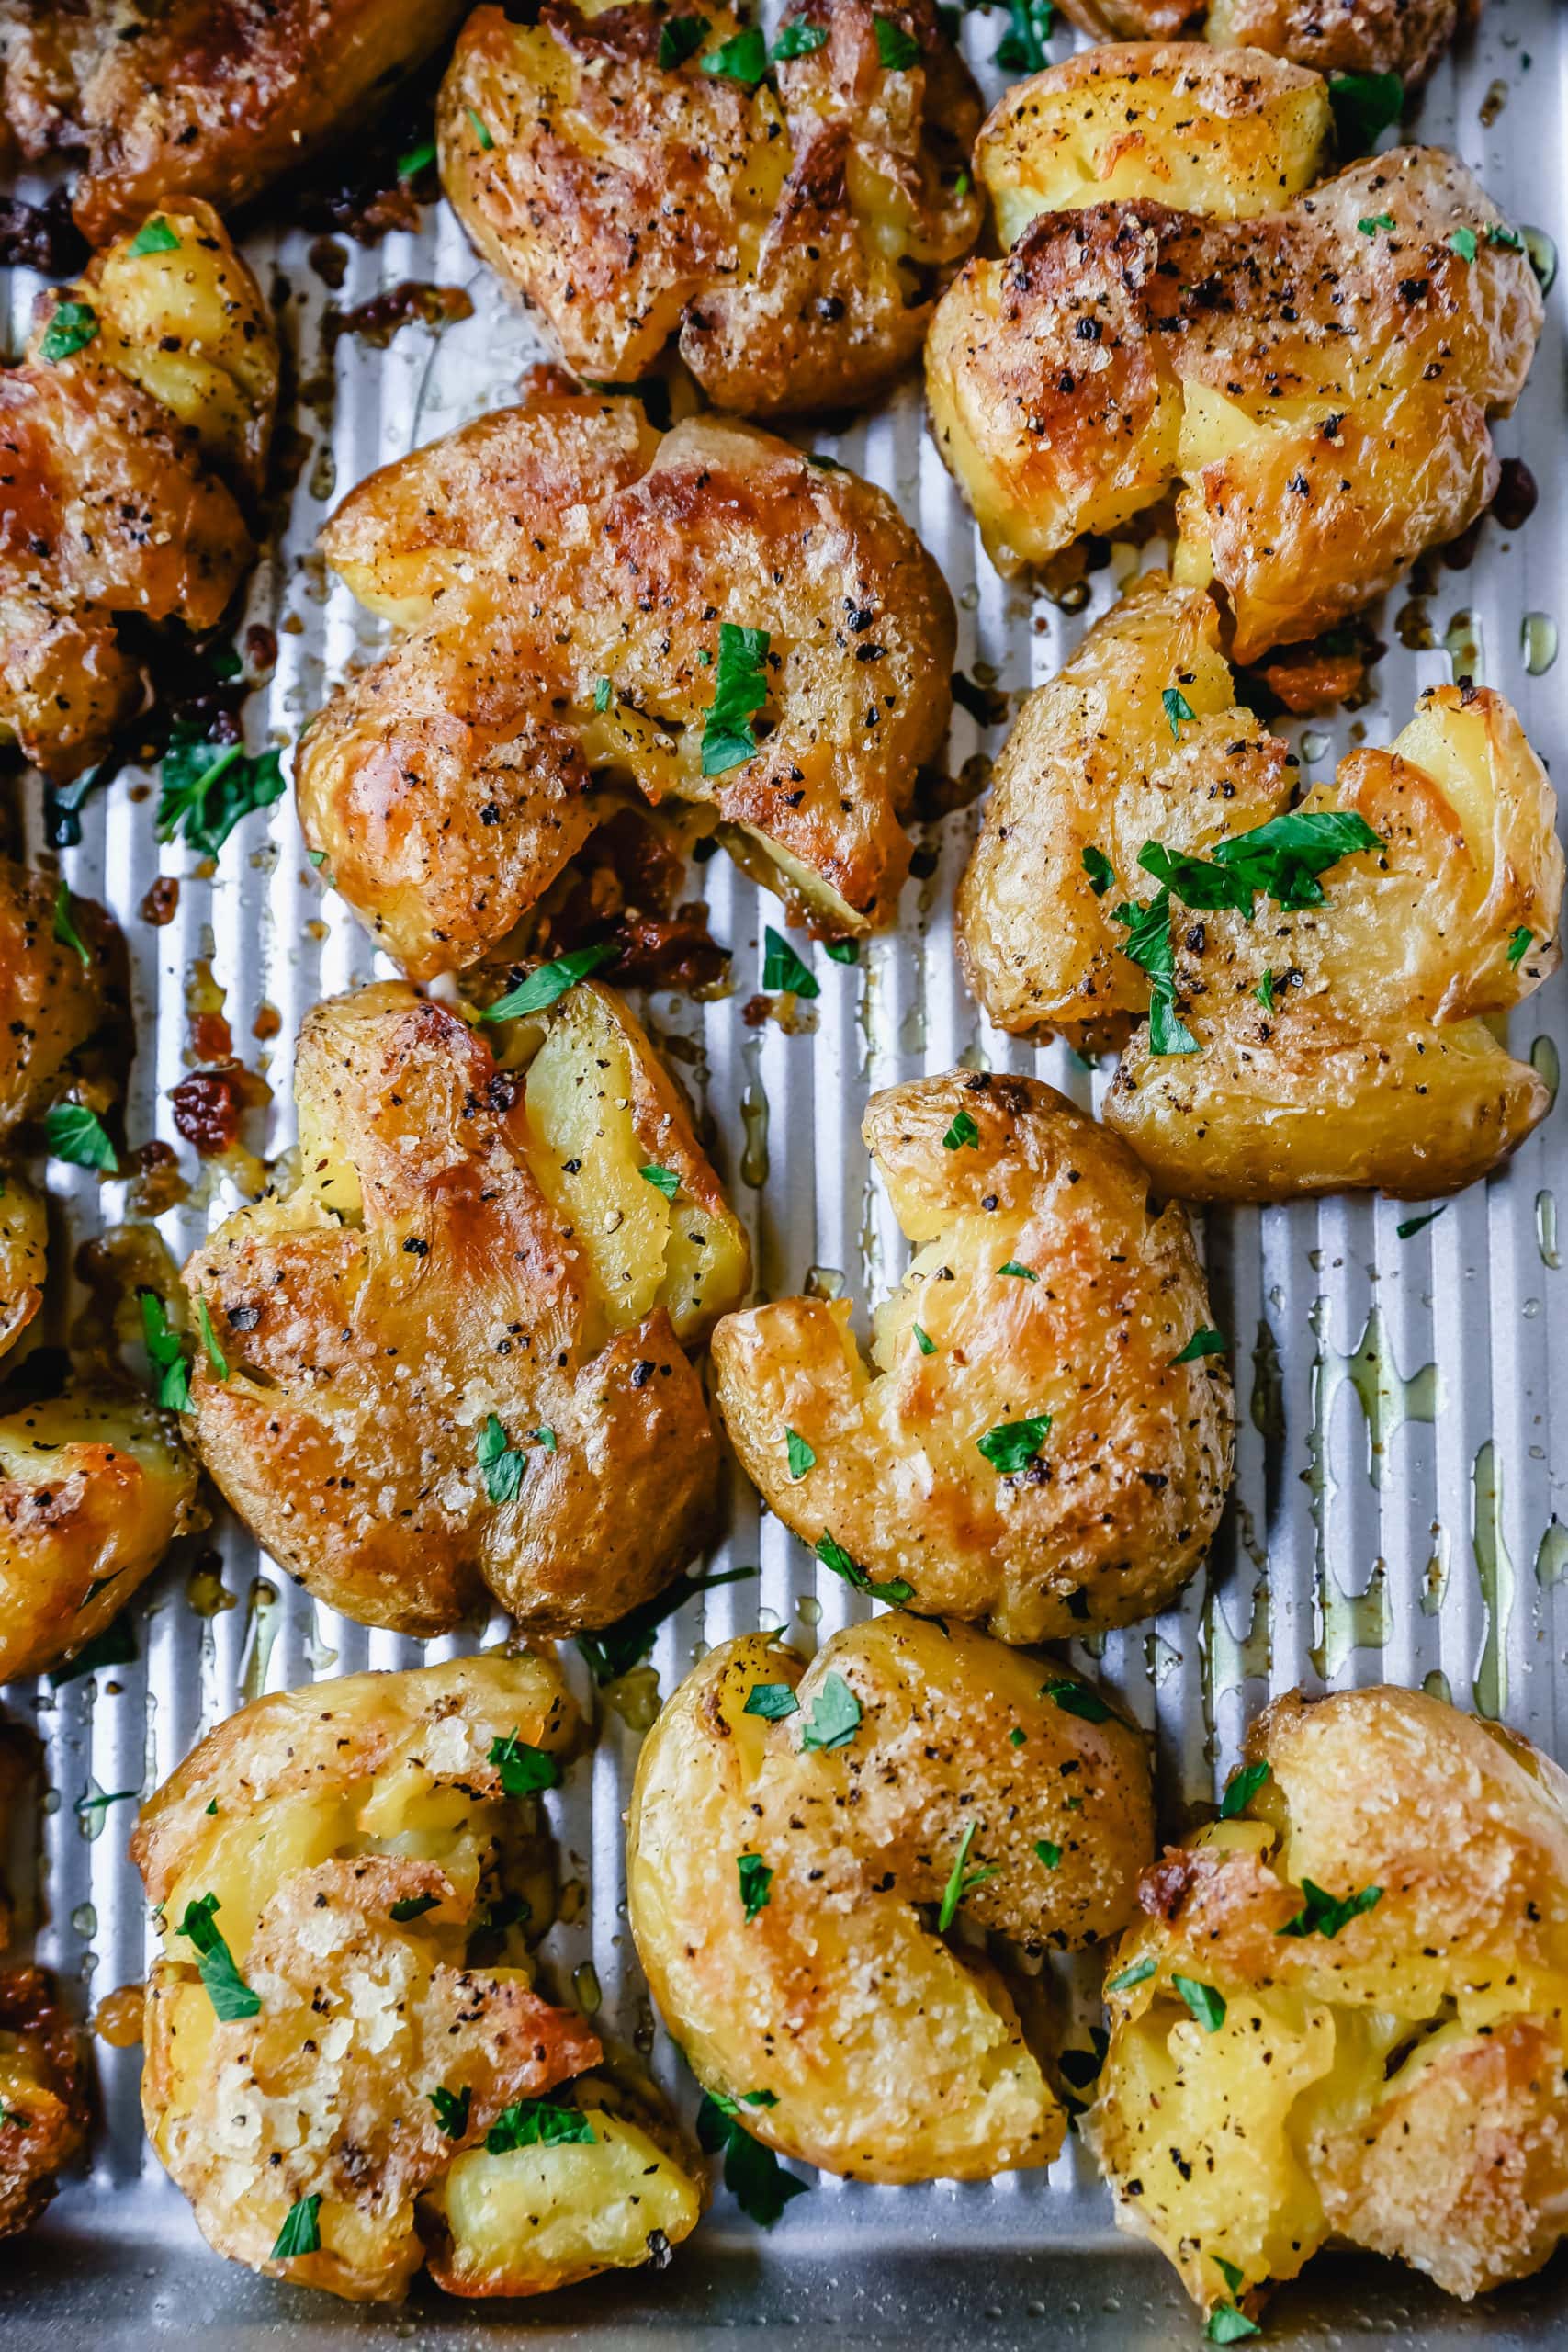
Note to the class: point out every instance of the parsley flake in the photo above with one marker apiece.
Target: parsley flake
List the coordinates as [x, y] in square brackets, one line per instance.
[1207, 2005]
[896, 48]
[537, 2124]
[753, 2174]
[482, 130]
[1138, 1971]
[1147, 944]
[603, 690]
[756, 1883]
[167, 1354]
[546, 1438]
[1205, 1341]
[86, 1806]
[1011, 1446]
[1049, 1854]
[208, 788]
[771, 1700]
[1463, 242]
[1411, 1225]
[1076, 1699]
[961, 1133]
[1021, 49]
[1178, 711]
[68, 935]
[155, 237]
[1323, 1914]
[1264, 992]
[523, 1770]
[614, 1649]
[1518, 947]
[1226, 2324]
[418, 159]
[924, 1340]
[500, 1463]
[1240, 1790]
[227, 1990]
[663, 1180]
[70, 330]
[414, 1906]
[742, 59]
[961, 1880]
[551, 982]
[1102, 873]
[452, 2109]
[215, 1355]
[782, 967]
[1373, 223]
[1509, 238]
[1230, 2272]
[78, 1135]
[894, 1590]
[843, 950]
[799, 40]
[1018, 1273]
[1364, 105]
[801, 1456]
[680, 38]
[834, 1718]
[302, 2233]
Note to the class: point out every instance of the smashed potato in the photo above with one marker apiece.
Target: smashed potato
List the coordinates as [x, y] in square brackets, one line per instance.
[789, 225]
[94, 1488]
[348, 2071]
[1318, 378]
[814, 1987]
[210, 98]
[451, 1352]
[598, 614]
[1328, 1045]
[132, 438]
[1344, 2013]
[1024, 1447]
[1403, 37]
[44, 2093]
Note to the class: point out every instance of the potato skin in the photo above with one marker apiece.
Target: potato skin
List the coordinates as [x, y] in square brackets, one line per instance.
[45, 2093]
[892, 2054]
[1116, 1512]
[792, 239]
[544, 548]
[367, 1356]
[1245, 359]
[1400, 2084]
[210, 98]
[124, 470]
[309, 1816]
[1403, 36]
[94, 1485]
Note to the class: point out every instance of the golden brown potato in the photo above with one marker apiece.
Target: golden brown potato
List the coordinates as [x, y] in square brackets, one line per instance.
[331, 2034]
[210, 98]
[576, 587]
[792, 229]
[1342, 2015]
[1403, 36]
[1318, 379]
[1231, 136]
[911, 1755]
[453, 1350]
[144, 404]
[1337, 1045]
[94, 1488]
[45, 2096]
[1023, 1448]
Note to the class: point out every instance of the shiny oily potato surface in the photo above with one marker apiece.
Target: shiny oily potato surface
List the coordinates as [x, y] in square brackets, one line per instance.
[790, 229]
[891, 2052]
[1046, 1285]
[209, 98]
[45, 2093]
[1369, 1062]
[1393, 2080]
[469, 1240]
[94, 1485]
[357, 1835]
[128, 465]
[550, 558]
[1403, 37]
[1310, 387]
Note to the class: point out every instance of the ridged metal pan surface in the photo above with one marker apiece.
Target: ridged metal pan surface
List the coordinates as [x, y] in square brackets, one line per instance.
[1402, 1467]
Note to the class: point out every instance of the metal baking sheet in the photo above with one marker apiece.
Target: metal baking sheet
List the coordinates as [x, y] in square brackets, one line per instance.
[1400, 1509]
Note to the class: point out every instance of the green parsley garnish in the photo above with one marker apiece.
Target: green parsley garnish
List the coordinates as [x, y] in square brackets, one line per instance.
[602, 694]
[227, 1990]
[756, 1883]
[842, 951]
[753, 2174]
[961, 1132]
[1138, 1971]
[537, 2124]
[1403, 1231]
[1463, 242]
[1323, 1914]
[740, 681]
[1018, 1273]
[1373, 223]
[78, 1135]
[680, 38]
[835, 1715]
[1226, 2324]
[1021, 49]
[742, 59]
[1240, 1790]
[961, 1880]
[1049, 1854]
[208, 788]
[1264, 992]
[1147, 944]
[1518, 947]
[924, 1340]
[1178, 711]
[523, 1770]
[782, 967]
[546, 1438]
[896, 48]
[418, 159]
[100, 1804]
[549, 982]
[452, 2110]
[1509, 238]
[167, 1352]
[1204, 1341]
[482, 130]
[614, 1649]
[894, 1590]
[1364, 105]
[302, 2233]
[1207, 2005]
[215, 1355]
[799, 40]
[663, 1180]
[1102, 873]
[500, 1463]
[155, 237]
[70, 330]
[414, 1906]
[1282, 859]
[1011, 1446]
[68, 935]
[771, 1700]
[801, 1456]
[1076, 1699]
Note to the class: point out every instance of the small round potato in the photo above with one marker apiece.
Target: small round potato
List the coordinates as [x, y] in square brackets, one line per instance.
[94, 1488]
[1027, 1448]
[1342, 2015]
[1403, 37]
[144, 404]
[45, 2092]
[1318, 379]
[1337, 1045]
[341, 2073]
[58, 1004]
[791, 1830]
[639, 178]
[451, 1356]
[582, 594]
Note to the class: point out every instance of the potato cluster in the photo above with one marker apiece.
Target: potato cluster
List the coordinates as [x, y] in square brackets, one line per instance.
[1315, 1038]
[644, 175]
[1310, 365]
[133, 438]
[598, 614]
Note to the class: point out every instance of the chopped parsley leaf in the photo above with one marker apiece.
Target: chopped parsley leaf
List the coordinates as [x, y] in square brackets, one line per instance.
[167, 1354]
[1282, 858]
[78, 1135]
[418, 159]
[215, 1355]
[551, 981]
[1364, 105]
[801, 1456]
[1178, 711]
[1410, 1224]
[771, 1700]
[1373, 223]
[614, 1649]
[1021, 49]
[1147, 944]
[1518, 947]
[782, 967]
[523, 1770]
[961, 1132]
[799, 40]
[834, 1718]
[500, 1463]
[742, 59]
[896, 48]
[1324, 1915]
[961, 1880]
[843, 950]
[208, 788]
[482, 130]
[1207, 2005]
[1240, 1790]
[537, 2124]
[1018, 1273]
[70, 330]
[924, 1340]
[1205, 1341]
[680, 38]
[1264, 992]
[1076, 1699]
[1049, 1854]
[756, 1883]
[895, 1591]
[1138, 1971]
[1226, 2324]
[1463, 242]
[753, 2174]
[68, 935]
[227, 1990]
[414, 1906]
[302, 2233]
[452, 2109]
[663, 1180]
[155, 237]
[1102, 873]
[603, 690]
[1011, 1446]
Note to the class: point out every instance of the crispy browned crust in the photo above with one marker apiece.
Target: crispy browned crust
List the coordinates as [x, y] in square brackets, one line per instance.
[1403, 36]
[45, 2094]
[365, 1356]
[544, 548]
[1417, 2100]
[210, 98]
[1365, 366]
[795, 241]
[1116, 1511]
[52, 1005]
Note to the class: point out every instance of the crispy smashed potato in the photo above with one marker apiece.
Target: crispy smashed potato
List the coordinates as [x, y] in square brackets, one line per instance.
[206, 98]
[361, 2044]
[575, 586]
[94, 1485]
[1403, 37]
[1318, 379]
[791, 229]
[132, 440]
[1337, 1045]
[453, 1348]
[910, 1754]
[1342, 2015]
[45, 2093]
[1023, 1448]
